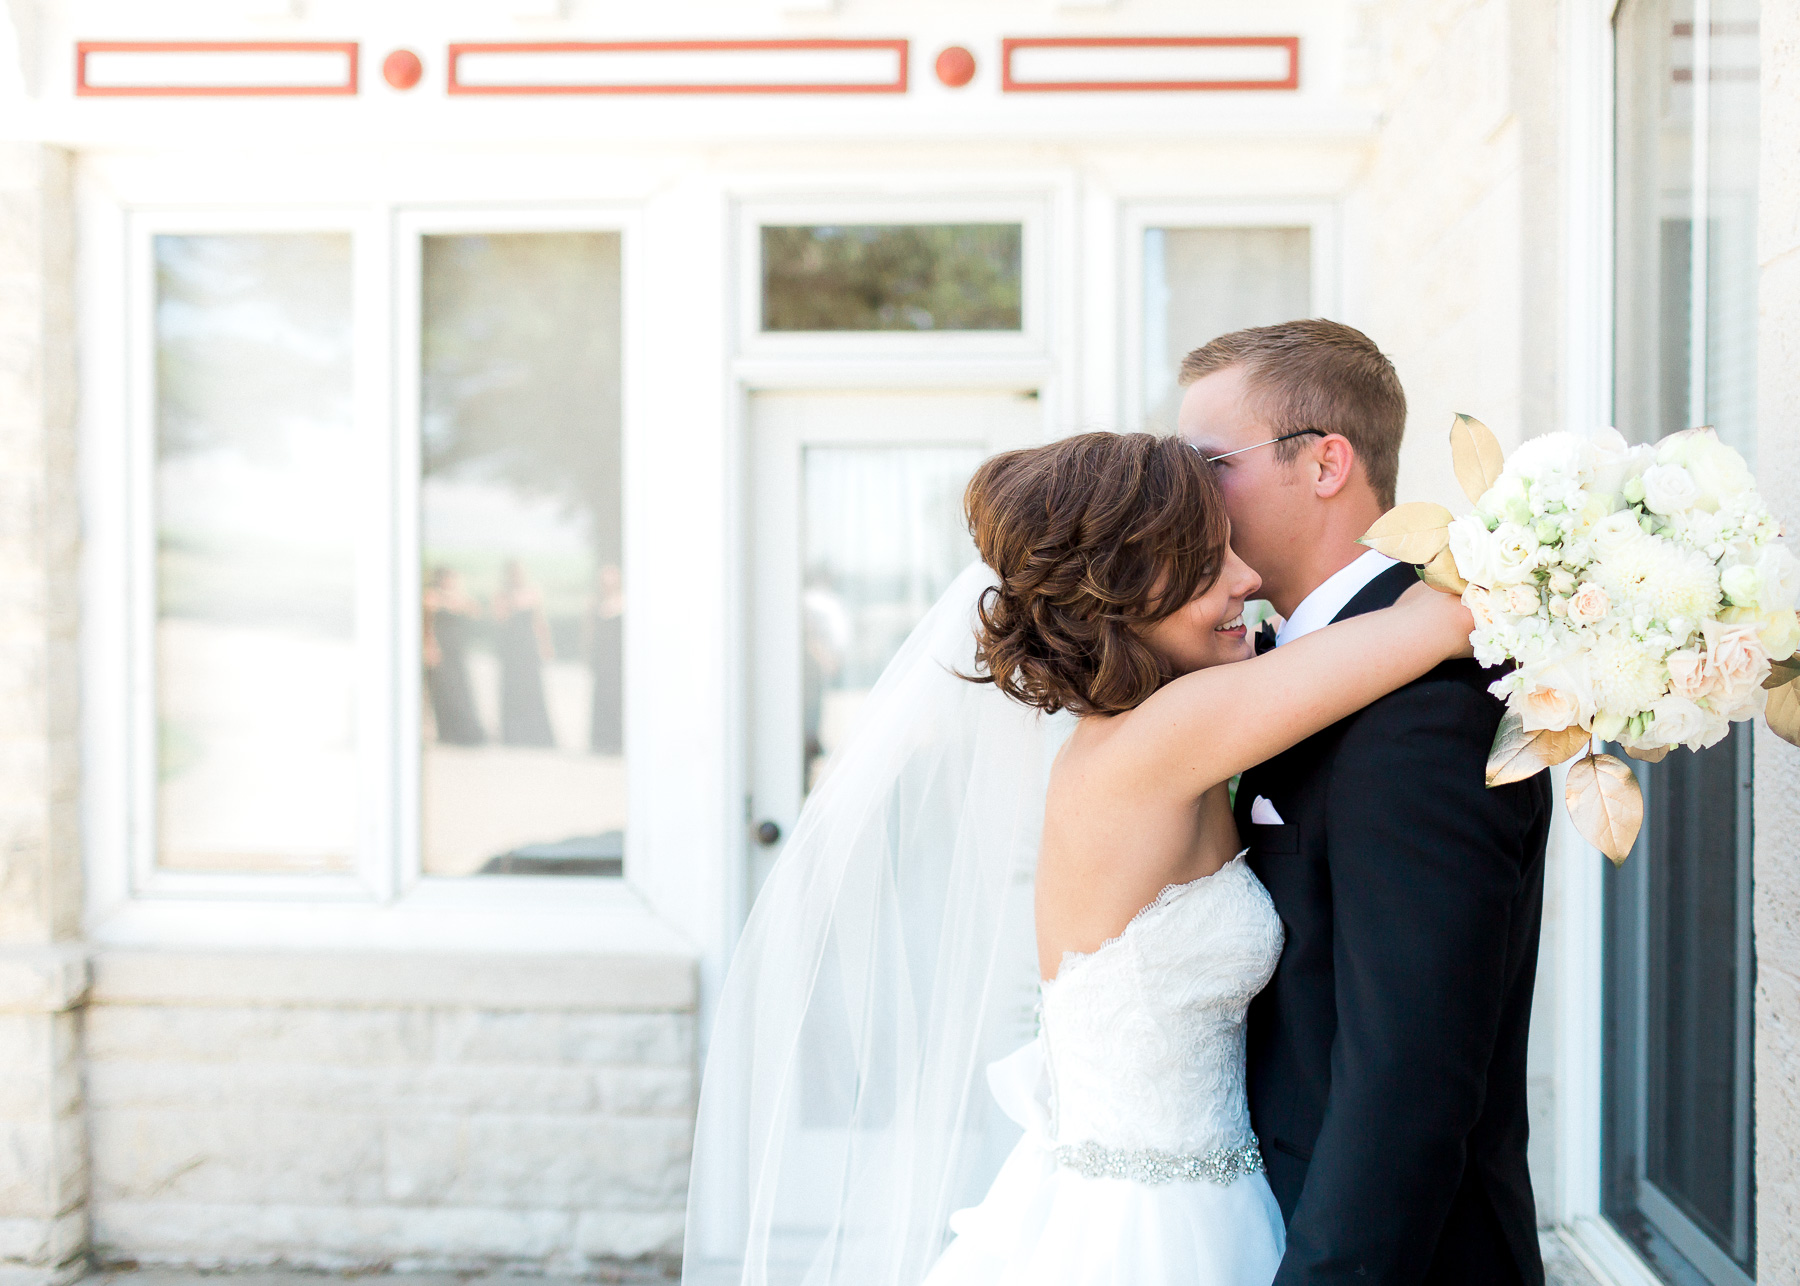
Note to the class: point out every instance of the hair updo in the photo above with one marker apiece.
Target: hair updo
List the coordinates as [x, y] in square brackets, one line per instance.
[1093, 538]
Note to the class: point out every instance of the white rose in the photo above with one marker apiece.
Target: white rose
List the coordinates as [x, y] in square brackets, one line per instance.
[1616, 462]
[1615, 531]
[1669, 488]
[1473, 549]
[1779, 572]
[1555, 694]
[1562, 582]
[1780, 634]
[1589, 605]
[1737, 657]
[1676, 720]
[1608, 726]
[1514, 553]
[1719, 473]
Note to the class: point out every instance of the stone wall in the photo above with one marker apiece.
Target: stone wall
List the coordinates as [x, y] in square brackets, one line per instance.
[389, 1111]
[42, 1154]
[1777, 860]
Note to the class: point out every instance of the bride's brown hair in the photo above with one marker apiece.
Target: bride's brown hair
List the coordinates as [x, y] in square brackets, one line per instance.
[1093, 538]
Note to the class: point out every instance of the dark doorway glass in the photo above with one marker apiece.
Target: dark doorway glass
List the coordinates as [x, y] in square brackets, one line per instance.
[926, 276]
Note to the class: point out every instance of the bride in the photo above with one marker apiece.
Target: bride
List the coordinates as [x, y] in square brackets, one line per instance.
[1017, 902]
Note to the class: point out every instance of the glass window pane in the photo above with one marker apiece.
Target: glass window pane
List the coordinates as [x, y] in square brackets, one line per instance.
[255, 594]
[951, 276]
[884, 537]
[1200, 283]
[1733, 105]
[523, 768]
[1654, 217]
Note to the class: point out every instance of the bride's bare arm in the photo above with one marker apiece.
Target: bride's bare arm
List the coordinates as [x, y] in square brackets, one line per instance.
[1207, 726]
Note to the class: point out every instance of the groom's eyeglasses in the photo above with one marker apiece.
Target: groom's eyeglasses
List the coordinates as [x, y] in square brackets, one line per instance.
[1297, 433]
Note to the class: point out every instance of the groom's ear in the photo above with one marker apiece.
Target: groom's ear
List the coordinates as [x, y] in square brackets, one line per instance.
[1333, 465]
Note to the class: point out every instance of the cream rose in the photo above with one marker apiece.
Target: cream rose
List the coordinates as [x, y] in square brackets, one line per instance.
[1690, 674]
[1780, 634]
[1480, 604]
[1676, 720]
[1742, 585]
[1589, 605]
[1737, 657]
[1562, 582]
[1718, 472]
[1554, 695]
[1778, 572]
[1522, 600]
[1669, 488]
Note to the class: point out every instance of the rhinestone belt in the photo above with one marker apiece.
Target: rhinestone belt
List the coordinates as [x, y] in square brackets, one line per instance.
[1148, 1165]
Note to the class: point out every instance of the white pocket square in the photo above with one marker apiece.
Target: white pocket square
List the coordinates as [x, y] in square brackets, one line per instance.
[1263, 813]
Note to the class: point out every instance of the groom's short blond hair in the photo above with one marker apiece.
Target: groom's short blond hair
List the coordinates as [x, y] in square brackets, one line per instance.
[1318, 374]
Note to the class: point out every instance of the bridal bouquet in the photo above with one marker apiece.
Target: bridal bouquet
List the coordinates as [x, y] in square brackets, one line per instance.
[1641, 592]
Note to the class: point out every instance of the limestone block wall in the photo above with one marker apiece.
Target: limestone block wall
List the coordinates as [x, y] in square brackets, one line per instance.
[399, 1111]
[42, 1157]
[1777, 858]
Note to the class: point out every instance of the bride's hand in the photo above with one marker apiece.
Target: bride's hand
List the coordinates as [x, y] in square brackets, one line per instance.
[1443, 614]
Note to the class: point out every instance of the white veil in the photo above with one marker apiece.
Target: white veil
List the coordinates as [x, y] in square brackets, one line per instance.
[889, 958]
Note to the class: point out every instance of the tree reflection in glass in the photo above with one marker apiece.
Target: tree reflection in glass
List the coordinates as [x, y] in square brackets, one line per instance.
[931, 276]
[522, 596]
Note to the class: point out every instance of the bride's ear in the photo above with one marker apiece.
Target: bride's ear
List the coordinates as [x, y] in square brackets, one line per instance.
[1333, 461]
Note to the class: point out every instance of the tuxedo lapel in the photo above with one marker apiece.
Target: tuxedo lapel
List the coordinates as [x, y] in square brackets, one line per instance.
[1380, 592]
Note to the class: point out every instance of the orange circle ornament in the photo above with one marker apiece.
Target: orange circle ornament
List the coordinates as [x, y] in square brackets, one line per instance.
[402, 69]
[955, 66]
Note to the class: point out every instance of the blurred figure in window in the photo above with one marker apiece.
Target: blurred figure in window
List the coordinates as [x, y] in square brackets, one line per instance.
[522, 639]
[606, 660]
[450, 616]
[827, 632]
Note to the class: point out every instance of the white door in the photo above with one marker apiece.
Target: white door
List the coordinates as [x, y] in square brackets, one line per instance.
[856, 503]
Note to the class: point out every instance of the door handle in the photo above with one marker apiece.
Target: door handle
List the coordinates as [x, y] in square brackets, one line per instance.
[767, 833]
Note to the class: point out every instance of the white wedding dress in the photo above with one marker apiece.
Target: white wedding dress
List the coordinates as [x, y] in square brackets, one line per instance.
[1138, 1166]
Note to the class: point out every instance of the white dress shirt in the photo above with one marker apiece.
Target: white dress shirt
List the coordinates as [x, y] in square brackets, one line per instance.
[1318, 608]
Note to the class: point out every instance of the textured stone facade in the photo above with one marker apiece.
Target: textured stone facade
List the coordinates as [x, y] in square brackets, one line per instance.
[1777, 859]
[43, 1182]
[387, 1124]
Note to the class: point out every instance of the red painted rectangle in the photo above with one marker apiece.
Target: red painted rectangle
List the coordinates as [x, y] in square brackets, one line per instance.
[895, 86]
[1009, 83]
[85, 48]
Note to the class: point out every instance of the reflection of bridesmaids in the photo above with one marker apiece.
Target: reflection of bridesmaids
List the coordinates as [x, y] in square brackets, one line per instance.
[522, 637]
[449, 618]
[606, 661]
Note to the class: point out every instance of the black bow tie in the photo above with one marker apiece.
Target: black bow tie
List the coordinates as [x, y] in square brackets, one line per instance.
[1265, 638]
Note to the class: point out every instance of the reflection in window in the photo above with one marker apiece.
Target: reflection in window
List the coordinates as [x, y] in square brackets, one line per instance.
[1678, 1162]
[255, 595]
[960, 276]
[884, 537]
[523, 767]
[1200, 283]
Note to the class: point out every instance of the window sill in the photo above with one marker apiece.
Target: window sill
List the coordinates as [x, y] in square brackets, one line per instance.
[1605, 1254]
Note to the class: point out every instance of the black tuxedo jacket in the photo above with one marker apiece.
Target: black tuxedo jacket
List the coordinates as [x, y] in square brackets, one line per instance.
[1387, 1055]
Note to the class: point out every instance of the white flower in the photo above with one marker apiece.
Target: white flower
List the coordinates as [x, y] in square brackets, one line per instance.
[1616, 462]
[1661, 576]
[1691, 674]
[1718, 472]
[1473, 549]
[1514, 553]
[1780, 634]
[1562, 582]
[1669, 488]
[1678, 720]
[1614, 532]
[1626, 676]
[1737, 658]
[1507, 500]
[1522, 600]
[1476, 599]
[1608, 726]
[1554, 694]
[1590, 605]
[1779, 572]
[1742, 585]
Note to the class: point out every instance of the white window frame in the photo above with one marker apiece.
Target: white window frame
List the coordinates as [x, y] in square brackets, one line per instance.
[383, 901]
[1319, 218]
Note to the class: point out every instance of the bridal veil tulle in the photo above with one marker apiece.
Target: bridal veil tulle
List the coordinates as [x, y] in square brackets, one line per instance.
[888, 959]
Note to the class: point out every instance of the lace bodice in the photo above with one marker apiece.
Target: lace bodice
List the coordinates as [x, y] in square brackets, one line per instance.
[1145, 1036]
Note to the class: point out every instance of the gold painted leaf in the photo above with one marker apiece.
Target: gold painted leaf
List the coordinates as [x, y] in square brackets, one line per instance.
[1441, 574]
[1783, 712]
[1781, 672]
[1476, 454]
[1518, 754]
[1605, 804]
[1655, 756]
[1413, 533]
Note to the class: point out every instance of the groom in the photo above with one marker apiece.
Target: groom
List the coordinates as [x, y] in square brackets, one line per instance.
[1387, 1056]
